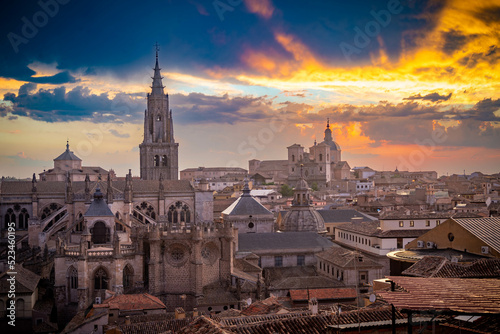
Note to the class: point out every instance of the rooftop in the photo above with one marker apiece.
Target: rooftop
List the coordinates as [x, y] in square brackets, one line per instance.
[322, 294]
[143, 301]
[281, 241]
[486, 229]
[463, 295]
[438, 266]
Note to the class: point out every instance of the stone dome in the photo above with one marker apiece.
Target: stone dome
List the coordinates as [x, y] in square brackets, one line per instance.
[303, 219]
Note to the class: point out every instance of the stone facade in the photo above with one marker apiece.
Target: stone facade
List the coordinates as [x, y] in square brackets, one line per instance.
[128, 235]
[321, 165]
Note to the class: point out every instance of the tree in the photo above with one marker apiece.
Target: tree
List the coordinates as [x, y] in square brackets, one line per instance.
[314, 186]
[286, 190]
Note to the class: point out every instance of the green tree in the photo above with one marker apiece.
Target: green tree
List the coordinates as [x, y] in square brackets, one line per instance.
[286, 190]
[314, 186]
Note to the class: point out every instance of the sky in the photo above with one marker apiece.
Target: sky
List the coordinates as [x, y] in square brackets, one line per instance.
[407, 84]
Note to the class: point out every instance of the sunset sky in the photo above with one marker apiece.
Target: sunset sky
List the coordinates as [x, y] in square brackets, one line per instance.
[408, 84]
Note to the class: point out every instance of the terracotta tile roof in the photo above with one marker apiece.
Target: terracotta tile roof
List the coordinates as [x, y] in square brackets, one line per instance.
[346, 258]
[266, 306]
[322, 294]
[305, 322]
[447, 294]
[204, 325]
[154, 327]
[143, 301]
[438, 266]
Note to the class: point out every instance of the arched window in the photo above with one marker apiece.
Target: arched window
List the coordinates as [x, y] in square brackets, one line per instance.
[73, 277]
[47, 211]
[157, 160]
[320, 157]
[293, 158]
[179, 212]
[164, 160]
[10, 217]
[100, 279]
[128, 277]
[146, 209]
[23, 219]
[100, 233]
[158, 117]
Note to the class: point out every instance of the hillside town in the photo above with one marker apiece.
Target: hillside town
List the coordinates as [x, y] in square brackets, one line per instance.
[306, 244]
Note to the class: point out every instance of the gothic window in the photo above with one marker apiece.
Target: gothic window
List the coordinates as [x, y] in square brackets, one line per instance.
[177, 254]
[164, 160]
[128, 277]
[157, 161]
[179, 212]
[23, 219]
[320, 157]
[146, 209]
[100, 233]
[49, 209]
[158, 117]
[10, 217]
[100, 279]
[73, 277]
[79, 225]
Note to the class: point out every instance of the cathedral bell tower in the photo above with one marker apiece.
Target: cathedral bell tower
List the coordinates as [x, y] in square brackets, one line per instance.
[159, 151]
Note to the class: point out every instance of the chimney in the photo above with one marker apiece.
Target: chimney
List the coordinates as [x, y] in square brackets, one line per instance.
[313, 305]
[179, 313]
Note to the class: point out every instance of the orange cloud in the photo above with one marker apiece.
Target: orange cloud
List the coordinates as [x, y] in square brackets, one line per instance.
[262, 8]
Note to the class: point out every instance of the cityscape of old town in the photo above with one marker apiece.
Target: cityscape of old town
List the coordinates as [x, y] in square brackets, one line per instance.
[250, 166]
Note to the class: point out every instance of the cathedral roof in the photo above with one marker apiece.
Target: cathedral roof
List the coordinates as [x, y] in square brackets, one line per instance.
[246, 205]
[254, 242]
[98, 207]
[68, 155]
[328, 138]
[303, 219]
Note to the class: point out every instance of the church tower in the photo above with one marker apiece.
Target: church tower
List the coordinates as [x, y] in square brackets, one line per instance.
[159, 151]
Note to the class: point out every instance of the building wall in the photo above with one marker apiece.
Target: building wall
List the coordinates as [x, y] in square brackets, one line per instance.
[418, 224]
[451, 235]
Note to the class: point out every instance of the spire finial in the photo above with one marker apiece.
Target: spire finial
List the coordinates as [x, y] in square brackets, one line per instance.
[67, 144]
[157, 48]
[328, 123]
[301, 170]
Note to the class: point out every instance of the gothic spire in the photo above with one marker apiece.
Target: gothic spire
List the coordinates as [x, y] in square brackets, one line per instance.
[157, 88]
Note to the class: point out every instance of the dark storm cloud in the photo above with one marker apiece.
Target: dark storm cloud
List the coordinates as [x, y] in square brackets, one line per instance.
[201, 108]
[59, 105]
[454, 40]
[489, 14]
[433, 97]
[492, 56]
